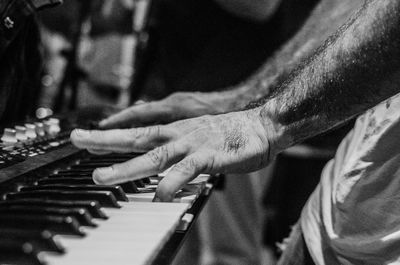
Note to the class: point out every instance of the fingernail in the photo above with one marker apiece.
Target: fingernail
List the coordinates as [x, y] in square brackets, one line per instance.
[102, 175]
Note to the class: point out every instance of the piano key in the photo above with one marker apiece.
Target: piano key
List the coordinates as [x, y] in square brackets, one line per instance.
[92, 207]
[65, 173]
[13, 252]
[116, 190]
[83, 167]
[105, 198]
[80, 214]
[139, 183]
[154, 180]
[121, 242]
[115, 156]
[67, 181]
[146, 180]
[56, 224]
[79, 170]
[96, 164]
[69, 172]
[127, 187]
[104, 160]
[43, 240]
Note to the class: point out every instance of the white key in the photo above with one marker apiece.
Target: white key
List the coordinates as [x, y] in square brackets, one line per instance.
[131, 235]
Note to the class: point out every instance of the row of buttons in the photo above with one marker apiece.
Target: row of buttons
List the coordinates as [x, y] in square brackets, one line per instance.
[31, 140]
[30, 131]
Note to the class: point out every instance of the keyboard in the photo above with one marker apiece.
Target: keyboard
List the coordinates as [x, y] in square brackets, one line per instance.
[51, 211]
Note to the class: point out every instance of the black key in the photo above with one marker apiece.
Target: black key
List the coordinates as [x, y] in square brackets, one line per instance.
[127, 187]
[42, 240]
[108, 161]
[70, 174]
[139, 183]
[13, 252]
[83, 167]
[57, 224]
[82, 170]
[116, 190]
[92, 207]
[80, 214]
[74, 173]
[67, 181]
[96, 164]
[146, 180]
[105, 198]
[115, 156]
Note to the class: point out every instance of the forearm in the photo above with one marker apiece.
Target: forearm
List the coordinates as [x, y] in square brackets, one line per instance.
[257, 10]
[324, 20]
[357, 68]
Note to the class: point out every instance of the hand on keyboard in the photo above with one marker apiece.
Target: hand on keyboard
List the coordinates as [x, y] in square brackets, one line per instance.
[229, 143]
[177, 106]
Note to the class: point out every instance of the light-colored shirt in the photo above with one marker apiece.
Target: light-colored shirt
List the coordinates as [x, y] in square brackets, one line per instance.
[353, 216]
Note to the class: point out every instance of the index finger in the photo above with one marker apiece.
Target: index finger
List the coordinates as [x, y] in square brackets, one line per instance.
[121, 140]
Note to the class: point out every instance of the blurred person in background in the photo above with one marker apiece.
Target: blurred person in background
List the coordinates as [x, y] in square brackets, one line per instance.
[21, 61]
[104, 56]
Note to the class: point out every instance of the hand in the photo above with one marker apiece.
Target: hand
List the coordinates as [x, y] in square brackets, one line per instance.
[175, 107]
[41, 4]
[229, 143]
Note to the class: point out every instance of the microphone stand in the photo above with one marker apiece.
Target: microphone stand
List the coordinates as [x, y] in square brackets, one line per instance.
[143, 22]
[72, 72]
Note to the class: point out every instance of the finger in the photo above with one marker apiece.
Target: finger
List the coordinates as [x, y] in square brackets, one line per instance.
[122, 141]
[98, 152]
[180, 174]
[146, 165]
[137, 115]
[112, 140]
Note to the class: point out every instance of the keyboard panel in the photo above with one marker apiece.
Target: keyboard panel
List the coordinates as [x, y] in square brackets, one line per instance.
[51, 211]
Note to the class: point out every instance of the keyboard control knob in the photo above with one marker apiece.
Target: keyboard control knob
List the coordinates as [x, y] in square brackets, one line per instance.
[31, 130]
[21, 133]
[40, 129]
[9, 136]
[52, 126]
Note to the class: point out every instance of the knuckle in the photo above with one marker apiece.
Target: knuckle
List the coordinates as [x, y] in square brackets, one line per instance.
[146, 131]
[159, 157]
[187, 165]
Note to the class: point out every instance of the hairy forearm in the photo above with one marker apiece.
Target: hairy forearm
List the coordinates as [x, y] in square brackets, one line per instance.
[325, 19]
[355, 69]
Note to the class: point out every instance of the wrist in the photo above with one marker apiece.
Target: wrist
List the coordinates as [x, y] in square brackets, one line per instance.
[276, 132]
